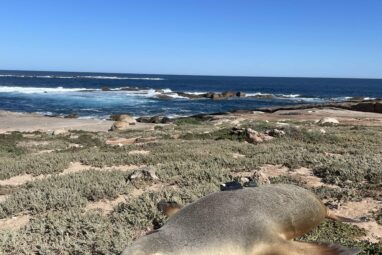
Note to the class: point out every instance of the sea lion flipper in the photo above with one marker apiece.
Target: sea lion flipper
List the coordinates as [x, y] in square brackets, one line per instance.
[323, 249]
[168, 208]
[332, 216]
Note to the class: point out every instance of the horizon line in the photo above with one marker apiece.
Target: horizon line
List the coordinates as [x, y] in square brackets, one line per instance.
[211, 75]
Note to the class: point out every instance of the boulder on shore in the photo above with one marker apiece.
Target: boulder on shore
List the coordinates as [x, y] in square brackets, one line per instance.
[154, 119]
[123, 117]
[119, 125]
[328, 121]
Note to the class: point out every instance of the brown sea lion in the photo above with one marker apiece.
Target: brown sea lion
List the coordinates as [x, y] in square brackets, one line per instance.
[249, 221]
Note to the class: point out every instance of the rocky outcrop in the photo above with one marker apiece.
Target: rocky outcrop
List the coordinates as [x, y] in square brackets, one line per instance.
[119, 125]
[213, 95]
[372, 106]
[122, 121]
[275, 132]
[123, 117]
[363, 106]
[155, 119]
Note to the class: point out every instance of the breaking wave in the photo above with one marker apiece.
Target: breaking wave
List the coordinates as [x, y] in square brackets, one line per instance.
[81, 77]
[32, 90]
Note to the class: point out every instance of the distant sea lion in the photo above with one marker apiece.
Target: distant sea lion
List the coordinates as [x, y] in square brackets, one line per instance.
[249, 221]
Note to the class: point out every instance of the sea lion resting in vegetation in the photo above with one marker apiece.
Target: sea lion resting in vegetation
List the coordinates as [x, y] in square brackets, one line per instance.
[249, 221]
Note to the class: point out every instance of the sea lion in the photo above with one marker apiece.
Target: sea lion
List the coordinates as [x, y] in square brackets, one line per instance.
[249, 221]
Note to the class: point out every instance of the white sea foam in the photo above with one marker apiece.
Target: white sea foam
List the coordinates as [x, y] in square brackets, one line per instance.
[369, 98]
[290, 96]
[257, 94]
[81, 77]
[32, 90]
[195, 93]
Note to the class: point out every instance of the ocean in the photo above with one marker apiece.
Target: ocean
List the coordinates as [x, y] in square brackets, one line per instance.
[97, 95]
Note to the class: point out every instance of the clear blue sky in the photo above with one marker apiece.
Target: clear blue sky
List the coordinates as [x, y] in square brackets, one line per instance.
[330, 38]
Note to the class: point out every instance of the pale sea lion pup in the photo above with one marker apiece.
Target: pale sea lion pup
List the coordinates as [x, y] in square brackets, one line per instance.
[250, 221]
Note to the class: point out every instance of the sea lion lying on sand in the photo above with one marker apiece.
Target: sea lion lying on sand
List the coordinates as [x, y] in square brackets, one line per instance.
[249, 221]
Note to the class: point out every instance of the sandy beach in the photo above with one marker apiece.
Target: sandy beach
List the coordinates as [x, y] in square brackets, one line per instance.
[29, 122]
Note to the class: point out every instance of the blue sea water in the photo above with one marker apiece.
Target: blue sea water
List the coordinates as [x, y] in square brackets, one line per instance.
[61, 93]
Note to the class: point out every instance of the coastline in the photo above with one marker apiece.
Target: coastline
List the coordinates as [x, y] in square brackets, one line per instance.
[351, 112]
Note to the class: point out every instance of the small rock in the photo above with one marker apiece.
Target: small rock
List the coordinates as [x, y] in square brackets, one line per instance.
[240, 94]
[59, 132]
[255, 137]
[119, 125]
[123, 117]
[322, 131]
[260, 178]
[145, 173]
[328, 121]
[275, 132]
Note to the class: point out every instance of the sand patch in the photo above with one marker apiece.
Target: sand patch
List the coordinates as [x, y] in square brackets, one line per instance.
[121, 141]
[3, 198]
[139, 152]
[238, 155]
[17, 180]
[303, 174]
[104, 205]
[73, 168]
[78, 167]
[364, 208]
[14, 223]
[43, 152]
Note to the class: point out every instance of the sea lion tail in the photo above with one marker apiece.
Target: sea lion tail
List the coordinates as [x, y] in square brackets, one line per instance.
[324, 249]
[333, 216]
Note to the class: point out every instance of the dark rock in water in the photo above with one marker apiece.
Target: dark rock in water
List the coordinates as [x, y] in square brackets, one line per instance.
[209, 95]
[263, 96]
[228, 94]
[192, 96]
[240, 94]
[224, 95]
[105, 89]
[216, 96]
[234, 185]
[71, 116]
[131, 88]
[163, 96]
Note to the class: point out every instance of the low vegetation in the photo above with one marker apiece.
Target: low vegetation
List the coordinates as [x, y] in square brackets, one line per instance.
[191, 158]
